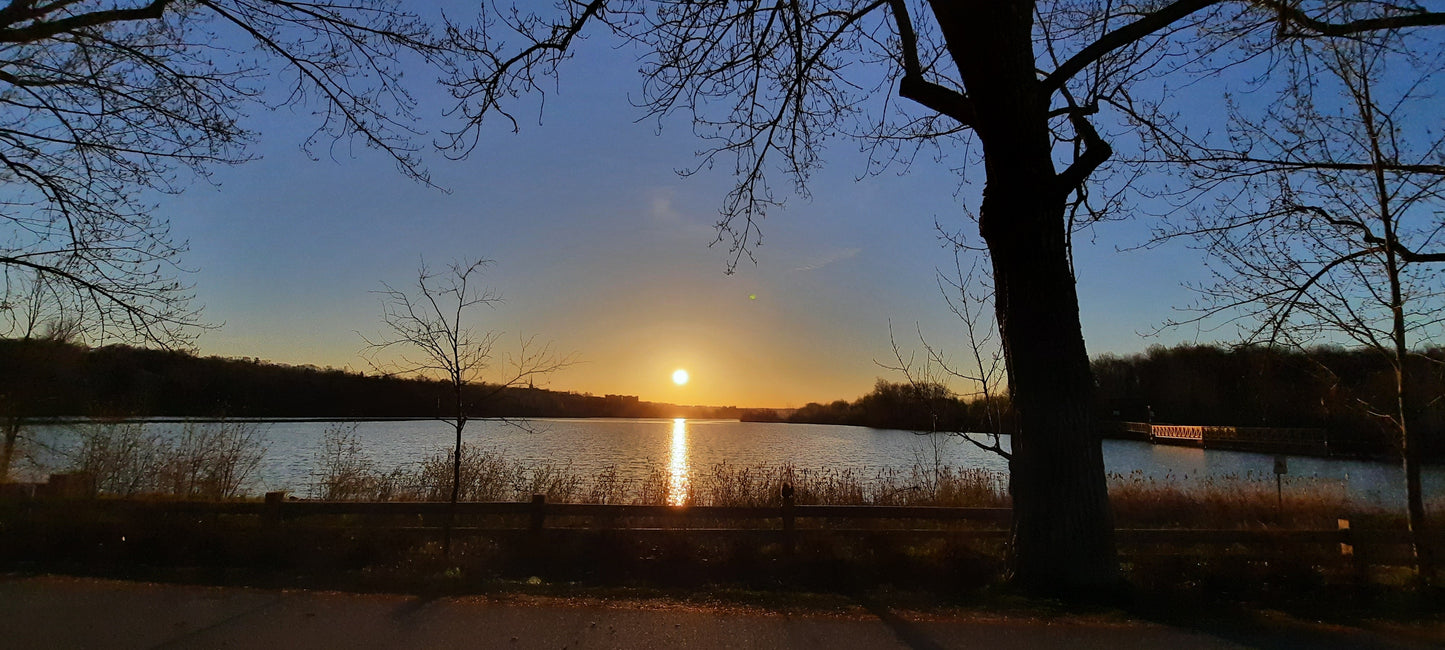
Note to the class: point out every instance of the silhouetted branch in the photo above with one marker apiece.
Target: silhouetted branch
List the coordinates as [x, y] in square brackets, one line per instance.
[103, 103]
[40, 29]
[913, 85]
[1291, 14]
[433, 319]
[1130, 34]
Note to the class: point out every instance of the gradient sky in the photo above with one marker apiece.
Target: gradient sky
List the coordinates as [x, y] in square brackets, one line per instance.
[602, 249]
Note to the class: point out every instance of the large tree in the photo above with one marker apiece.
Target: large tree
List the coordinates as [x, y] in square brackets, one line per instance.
[1322, 212]
[766, 83]
[104, 103]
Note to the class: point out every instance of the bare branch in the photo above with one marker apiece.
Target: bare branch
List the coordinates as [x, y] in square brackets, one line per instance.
[913, 85]
[1127, 35]
[104, 103]
[39, 30]
[1290, 14]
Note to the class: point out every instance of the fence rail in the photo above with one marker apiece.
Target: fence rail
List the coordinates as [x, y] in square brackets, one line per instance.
[786, 519]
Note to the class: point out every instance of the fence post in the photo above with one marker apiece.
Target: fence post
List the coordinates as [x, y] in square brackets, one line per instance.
[536, 554]
[1348, 549]
[539, 512]
[70, 485]
[789, 525]
[272, 511]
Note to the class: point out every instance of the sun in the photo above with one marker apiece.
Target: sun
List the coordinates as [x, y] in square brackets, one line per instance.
[679, 377]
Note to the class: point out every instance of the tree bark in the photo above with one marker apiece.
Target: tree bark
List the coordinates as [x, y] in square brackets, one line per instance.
[1425, 564]
[1408, 420]
[7, 448]
[457, 463]
[1062, 538]
[460, 423]
[1406, 403]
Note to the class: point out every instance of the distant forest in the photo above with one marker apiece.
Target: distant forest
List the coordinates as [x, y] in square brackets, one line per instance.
[1335, 389]
[41, 378]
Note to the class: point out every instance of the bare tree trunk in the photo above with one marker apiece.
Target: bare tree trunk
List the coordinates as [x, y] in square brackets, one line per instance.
[460, 423]
[457, 465]
[7, 450]
[1406, 404]
[1409, 438]
[1415, 503]
[1063, 530]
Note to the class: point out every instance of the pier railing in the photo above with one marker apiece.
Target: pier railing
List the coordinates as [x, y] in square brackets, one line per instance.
[1300, 440]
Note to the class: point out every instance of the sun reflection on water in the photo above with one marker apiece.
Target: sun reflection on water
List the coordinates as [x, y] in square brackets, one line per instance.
[677, 485]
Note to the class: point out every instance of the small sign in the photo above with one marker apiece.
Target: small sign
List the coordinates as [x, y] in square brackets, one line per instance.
[1281, 466]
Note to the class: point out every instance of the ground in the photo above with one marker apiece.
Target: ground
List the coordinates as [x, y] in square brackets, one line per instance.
[44, 611]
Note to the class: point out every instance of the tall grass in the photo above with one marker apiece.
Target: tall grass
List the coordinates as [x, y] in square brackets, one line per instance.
[207, 460]
[1138, 500]
[342, 472]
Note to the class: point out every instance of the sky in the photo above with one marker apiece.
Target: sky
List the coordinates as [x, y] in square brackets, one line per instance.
[602, 250]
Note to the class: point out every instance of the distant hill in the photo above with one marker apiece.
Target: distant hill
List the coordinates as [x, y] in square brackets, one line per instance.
[40, 378]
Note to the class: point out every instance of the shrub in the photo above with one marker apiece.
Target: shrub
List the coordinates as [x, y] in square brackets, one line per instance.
[485, 476]
[342, 472]
[208, 460]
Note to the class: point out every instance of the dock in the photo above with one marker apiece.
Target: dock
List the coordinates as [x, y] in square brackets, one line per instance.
[1285, 440]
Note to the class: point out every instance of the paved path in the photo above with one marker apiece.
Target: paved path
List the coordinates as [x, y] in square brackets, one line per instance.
[60, 612]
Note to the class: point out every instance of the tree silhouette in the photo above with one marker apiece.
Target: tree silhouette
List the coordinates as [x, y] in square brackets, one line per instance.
[767, 83]
[428, 332]
[1330, 229]
[104, 103]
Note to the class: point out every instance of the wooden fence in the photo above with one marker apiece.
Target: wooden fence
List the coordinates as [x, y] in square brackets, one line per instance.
[788, 524]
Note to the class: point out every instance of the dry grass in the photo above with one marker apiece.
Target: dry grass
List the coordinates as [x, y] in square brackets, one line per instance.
[342, 472]
[1230, 501]
[386, 552]
[1138, 500]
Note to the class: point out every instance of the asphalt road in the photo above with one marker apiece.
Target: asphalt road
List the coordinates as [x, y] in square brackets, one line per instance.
[63, 612]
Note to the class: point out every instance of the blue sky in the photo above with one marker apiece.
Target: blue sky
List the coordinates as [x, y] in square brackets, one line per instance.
[602, 249]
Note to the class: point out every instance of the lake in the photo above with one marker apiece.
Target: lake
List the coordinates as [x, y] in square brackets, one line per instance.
[687, 447]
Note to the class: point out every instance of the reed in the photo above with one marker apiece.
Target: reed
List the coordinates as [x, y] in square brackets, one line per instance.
[1226, 501]
[1139, 501]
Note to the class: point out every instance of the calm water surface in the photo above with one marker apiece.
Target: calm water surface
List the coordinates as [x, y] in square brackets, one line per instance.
[685, 448]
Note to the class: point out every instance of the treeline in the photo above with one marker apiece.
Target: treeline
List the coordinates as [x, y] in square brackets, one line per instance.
[1347, 392]
[40, 378]
[1341, 390]
[922, 407]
